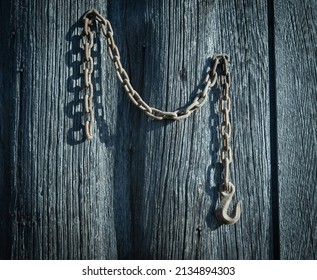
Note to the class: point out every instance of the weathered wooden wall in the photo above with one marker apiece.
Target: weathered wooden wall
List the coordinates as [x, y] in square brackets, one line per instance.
[145, 189]
[296, 94]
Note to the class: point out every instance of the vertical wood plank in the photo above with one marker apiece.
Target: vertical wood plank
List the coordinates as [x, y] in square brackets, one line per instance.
[246, 39]
[62, 189]
[296, 77]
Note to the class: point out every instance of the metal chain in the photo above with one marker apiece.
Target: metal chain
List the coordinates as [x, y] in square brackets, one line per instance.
[210, 80]
[106, 28]
[227, 189]
[225, 127]
[88, 89]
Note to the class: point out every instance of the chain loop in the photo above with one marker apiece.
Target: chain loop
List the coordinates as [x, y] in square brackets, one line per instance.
[220, 62]
[94, 16]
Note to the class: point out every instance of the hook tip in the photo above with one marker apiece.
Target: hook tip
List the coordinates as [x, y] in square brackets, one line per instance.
[224, 218]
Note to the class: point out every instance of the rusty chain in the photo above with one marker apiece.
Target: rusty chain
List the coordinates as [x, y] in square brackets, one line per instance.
[227, 189]
[88, 89]
[219, 60]
[225, 127]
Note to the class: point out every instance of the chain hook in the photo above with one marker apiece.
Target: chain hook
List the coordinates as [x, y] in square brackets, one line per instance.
[222, 209]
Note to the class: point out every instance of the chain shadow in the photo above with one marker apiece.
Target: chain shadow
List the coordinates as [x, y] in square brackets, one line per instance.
[214, 170]
[154, 124]
[74, 108]
[215, 166]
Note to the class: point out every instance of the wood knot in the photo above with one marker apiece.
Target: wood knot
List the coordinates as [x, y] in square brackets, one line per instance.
[182, 73]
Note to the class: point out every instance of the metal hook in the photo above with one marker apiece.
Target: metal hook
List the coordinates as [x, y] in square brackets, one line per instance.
[222, 209]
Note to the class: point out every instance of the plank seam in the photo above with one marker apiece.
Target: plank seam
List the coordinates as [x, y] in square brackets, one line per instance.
[273, 133]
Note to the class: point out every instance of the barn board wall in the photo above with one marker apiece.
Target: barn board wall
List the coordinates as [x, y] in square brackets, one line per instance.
[140, 189]
[296, 76]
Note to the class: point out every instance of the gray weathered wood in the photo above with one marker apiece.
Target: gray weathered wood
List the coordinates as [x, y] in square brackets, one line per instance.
[296, 78]
[7, 73]
[140, 188]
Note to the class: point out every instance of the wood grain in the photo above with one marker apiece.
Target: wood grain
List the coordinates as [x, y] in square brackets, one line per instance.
[140, 189]
[296, 77]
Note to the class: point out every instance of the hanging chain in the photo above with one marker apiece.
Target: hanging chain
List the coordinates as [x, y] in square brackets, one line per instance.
[106, 29]
[88, 89]
[225, 127]
[227, 189]
[92, 16]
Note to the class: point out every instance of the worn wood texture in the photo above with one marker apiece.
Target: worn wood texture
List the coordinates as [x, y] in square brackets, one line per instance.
[140, 189]
[296, 77]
